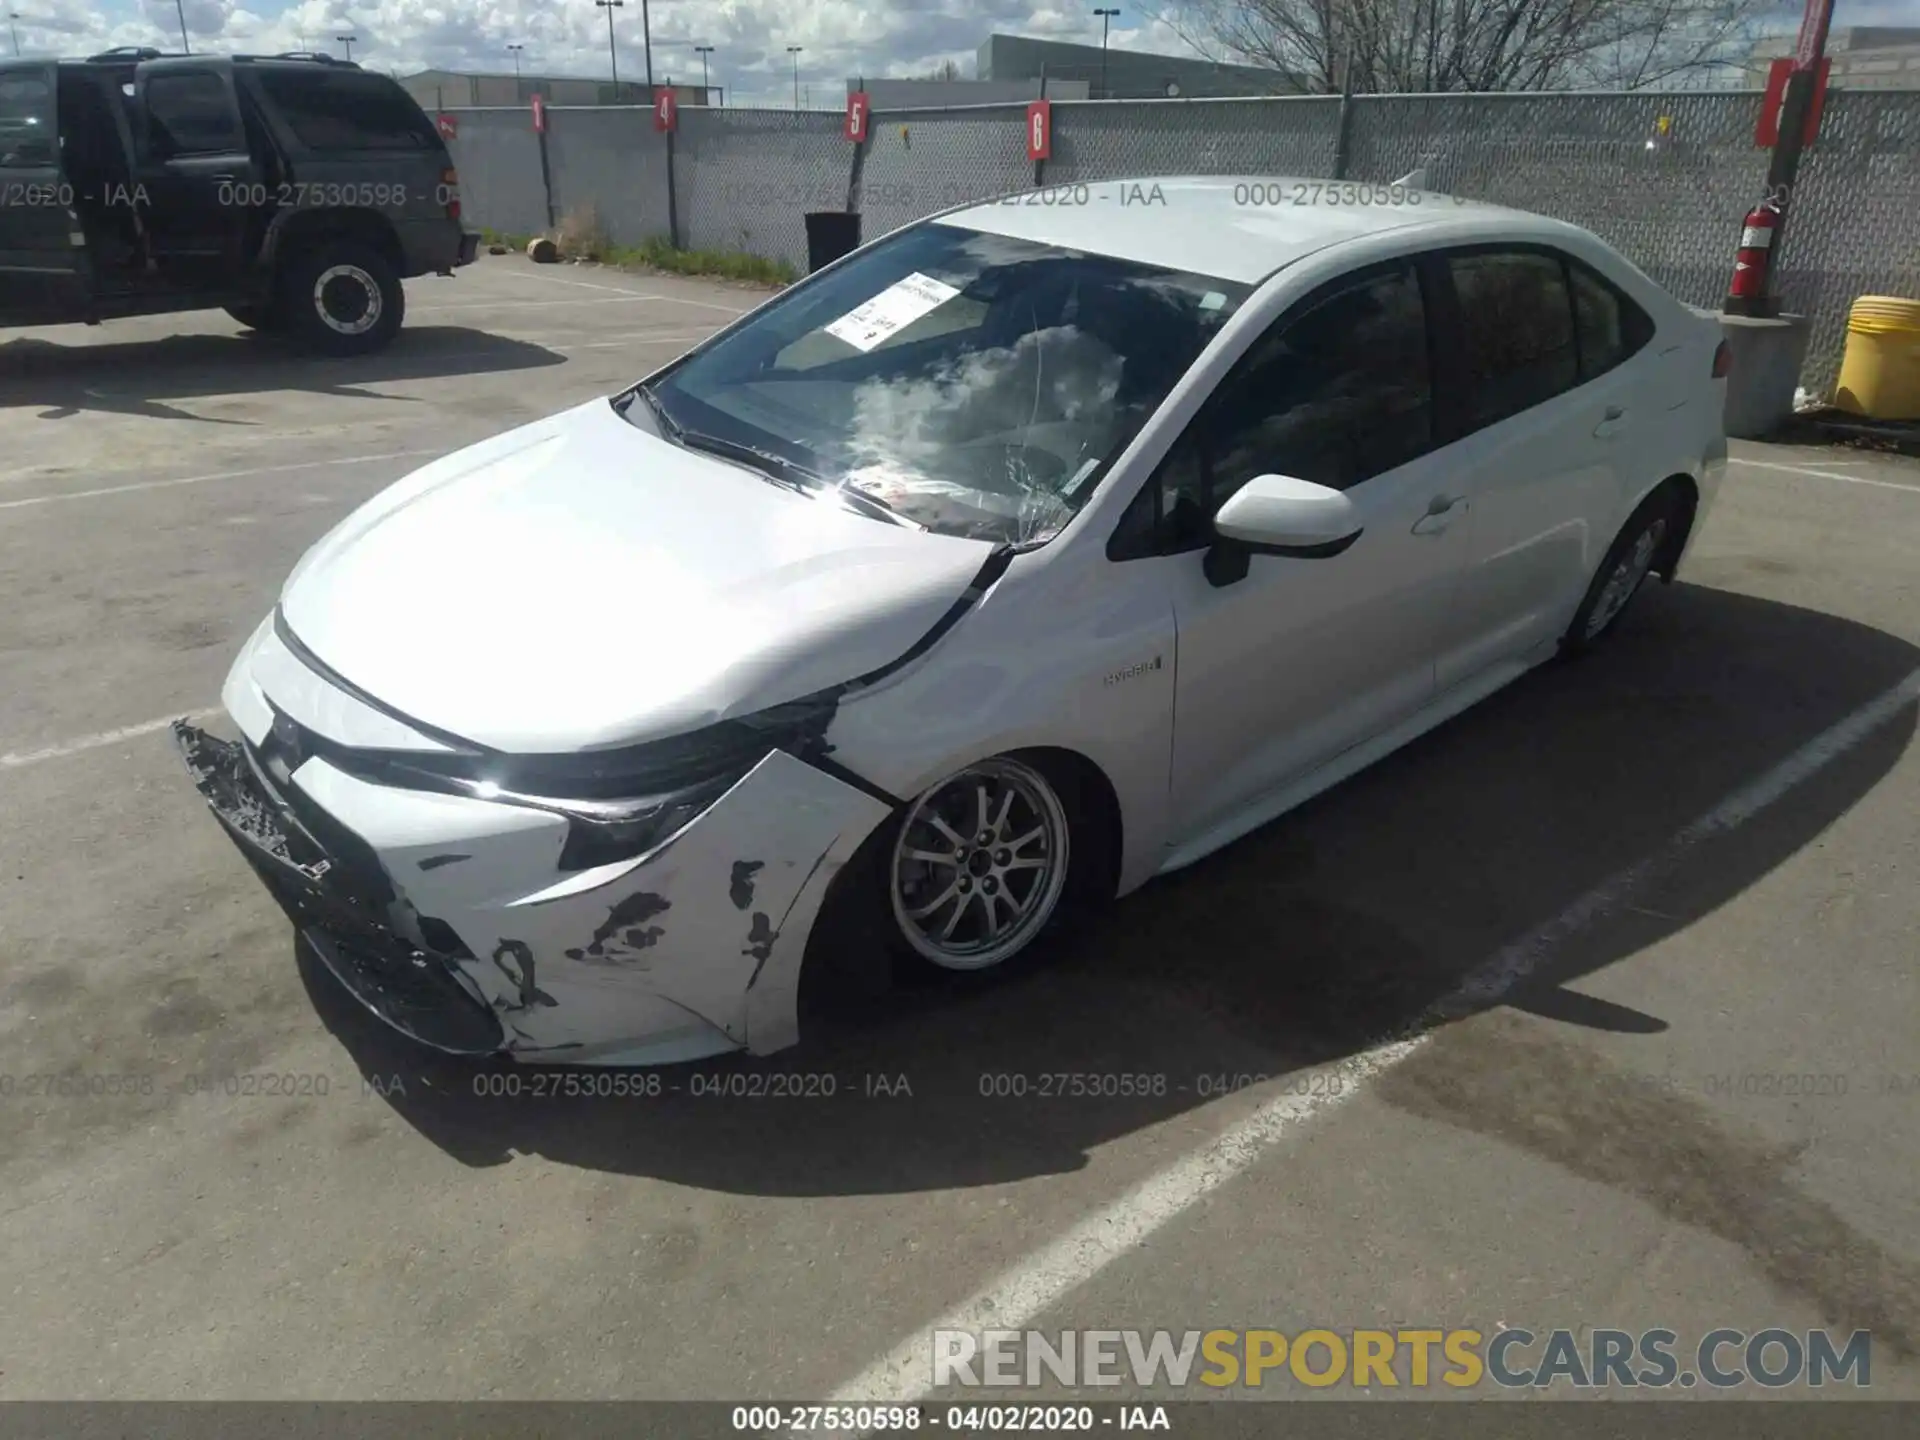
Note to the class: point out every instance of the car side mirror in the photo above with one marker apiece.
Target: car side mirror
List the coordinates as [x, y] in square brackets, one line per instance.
[1280, 515]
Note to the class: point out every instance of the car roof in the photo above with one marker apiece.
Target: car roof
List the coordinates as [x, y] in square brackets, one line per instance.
[1235, 227]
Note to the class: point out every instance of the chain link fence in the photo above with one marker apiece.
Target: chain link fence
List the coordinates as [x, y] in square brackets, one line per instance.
[1665, 178]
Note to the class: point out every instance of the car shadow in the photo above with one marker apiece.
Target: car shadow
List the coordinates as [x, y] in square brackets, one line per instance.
[139, 377]
[1310, 939]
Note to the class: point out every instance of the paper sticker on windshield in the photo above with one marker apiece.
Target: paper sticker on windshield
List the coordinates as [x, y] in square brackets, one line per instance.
[891, 311]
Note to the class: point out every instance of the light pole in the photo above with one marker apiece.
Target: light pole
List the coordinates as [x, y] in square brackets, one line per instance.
[1107, 17]
[612, 59]
[14, 30]
[515, 51]
[646, 47]
[346, 40]
[794, 51]
[706, 85]
[180, 9]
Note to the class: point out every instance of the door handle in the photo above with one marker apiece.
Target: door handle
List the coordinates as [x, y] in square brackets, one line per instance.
[1441, 511]
[1612, 421]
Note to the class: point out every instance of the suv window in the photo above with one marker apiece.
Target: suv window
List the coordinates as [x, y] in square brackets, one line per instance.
[1608, 325]
[346, 110]
[192, 114]
[1517, 327]
[1337, 392]
[26, 122]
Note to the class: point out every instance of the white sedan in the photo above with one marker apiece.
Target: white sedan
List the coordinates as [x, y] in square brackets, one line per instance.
[1018, 557]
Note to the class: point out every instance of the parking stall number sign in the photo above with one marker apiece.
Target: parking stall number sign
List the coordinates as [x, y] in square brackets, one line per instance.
[1040, 130]
[891, 311]
[666, 110]
[859, 106]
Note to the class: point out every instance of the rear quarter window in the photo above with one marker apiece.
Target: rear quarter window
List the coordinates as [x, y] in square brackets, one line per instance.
[347, 110]
[26, 122]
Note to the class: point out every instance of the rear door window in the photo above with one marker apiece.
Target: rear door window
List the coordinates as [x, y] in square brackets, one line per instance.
[192, 113]
[28, 138]
[1610, 326]
[347, 110]
[1517, 327]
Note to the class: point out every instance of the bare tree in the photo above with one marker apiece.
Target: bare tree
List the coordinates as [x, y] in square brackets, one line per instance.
[1413, 46]
[946, 70]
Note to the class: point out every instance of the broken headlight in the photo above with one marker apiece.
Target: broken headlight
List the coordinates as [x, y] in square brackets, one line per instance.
[620, 802]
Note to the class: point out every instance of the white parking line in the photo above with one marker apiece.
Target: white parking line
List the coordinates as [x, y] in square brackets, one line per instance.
[622, 290]
[18, 759]
[1020, 1295]
[524, 304]
[216, 475]
[1826, 475]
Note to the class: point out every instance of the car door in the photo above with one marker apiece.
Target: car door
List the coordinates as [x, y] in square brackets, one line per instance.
[1541, 448]
[197, 173]
[40, 264]
[1283, 662]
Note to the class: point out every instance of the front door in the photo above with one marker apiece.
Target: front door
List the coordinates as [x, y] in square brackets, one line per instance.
[1283, 668]
[198, 177]
[40, 260]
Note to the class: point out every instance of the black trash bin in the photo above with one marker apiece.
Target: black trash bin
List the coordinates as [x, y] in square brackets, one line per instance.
[830, 234]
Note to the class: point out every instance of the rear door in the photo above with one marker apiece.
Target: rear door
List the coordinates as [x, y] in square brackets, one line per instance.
[1541, 449]
[39, 261]
[201, 183]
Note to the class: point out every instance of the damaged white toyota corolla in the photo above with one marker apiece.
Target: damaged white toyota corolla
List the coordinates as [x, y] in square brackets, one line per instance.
[1018, 557]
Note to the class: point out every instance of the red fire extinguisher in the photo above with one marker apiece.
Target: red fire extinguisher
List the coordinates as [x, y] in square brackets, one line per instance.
[1748, 288]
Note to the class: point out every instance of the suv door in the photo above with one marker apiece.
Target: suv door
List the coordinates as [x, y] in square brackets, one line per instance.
[1298, 659]
[1545, 412]
[199, 178]
[40, 265]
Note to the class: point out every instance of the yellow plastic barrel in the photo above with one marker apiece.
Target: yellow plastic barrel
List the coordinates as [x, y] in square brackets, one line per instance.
[1880, 373]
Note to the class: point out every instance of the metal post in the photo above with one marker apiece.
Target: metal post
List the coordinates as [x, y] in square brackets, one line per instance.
[794, 51]
[706, 80]
[347, 40]
[1040, 166]
[14, 30]
[1795, 104]
[1343, 132]
[180, 9]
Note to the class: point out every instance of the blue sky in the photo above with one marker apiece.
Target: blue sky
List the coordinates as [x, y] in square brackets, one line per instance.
[840, 38]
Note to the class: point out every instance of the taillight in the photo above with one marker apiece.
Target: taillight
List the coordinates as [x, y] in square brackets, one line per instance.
[1722, 361]
[450, 192]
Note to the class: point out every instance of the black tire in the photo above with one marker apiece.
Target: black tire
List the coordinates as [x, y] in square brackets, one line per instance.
[341, 297]
[1635, 553]
[264, 318]
[858, 951]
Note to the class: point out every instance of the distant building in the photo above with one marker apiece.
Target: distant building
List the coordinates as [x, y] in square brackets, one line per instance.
[1124, 74]
[1865, 57]
[928, 94]
[452, 89]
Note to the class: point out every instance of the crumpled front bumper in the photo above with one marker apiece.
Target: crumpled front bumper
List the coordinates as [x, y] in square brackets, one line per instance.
[449, 918]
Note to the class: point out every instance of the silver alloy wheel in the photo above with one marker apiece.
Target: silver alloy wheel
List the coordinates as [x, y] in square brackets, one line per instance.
[1626, 578]
[347, 299]
[980, 864]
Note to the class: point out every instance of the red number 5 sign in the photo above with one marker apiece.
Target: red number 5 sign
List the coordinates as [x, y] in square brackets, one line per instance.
[1040, 130]
[859, 106]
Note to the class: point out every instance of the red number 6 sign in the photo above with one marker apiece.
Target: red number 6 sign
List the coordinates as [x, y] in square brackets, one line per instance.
[1040, 130]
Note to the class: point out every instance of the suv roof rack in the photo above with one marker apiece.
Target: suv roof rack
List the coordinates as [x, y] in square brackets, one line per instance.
[128, 52]
[318, 57]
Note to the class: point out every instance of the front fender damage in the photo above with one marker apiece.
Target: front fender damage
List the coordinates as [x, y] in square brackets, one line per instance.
[691, 949]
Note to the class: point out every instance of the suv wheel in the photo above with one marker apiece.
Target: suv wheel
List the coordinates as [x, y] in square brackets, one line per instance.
[342, 298]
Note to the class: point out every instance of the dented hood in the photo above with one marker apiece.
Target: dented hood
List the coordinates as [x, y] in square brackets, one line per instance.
[580, 582]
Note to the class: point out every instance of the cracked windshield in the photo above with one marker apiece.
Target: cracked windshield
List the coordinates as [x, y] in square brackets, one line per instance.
[973, 384]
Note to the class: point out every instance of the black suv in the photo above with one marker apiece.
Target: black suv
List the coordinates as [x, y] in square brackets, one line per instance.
[293, 191]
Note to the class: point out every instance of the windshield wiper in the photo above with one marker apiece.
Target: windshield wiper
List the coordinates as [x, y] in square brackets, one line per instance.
[780, 470]
[667, 422]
